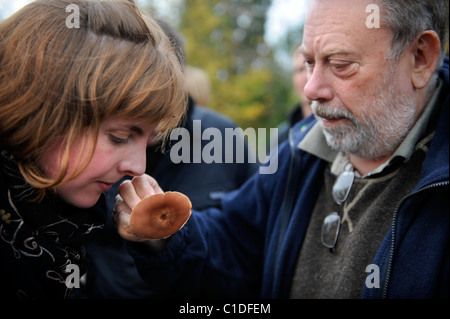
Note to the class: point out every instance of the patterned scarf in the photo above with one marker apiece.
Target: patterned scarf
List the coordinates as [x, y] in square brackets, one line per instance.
[38, 240]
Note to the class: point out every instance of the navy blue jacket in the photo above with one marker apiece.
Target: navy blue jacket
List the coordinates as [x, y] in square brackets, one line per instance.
[233, 252]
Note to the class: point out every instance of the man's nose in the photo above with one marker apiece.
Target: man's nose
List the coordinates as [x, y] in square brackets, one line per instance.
[318, 87]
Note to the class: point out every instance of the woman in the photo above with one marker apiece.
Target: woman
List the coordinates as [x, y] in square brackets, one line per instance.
[78, 106]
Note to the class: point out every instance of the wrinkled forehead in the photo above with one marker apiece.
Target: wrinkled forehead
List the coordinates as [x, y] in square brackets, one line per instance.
[351, 15]
[355, 24]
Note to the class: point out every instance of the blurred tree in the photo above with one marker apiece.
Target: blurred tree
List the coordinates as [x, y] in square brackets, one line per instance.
[226, 39]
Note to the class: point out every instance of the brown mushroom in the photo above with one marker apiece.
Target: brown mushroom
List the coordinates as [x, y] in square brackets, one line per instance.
[160, 215]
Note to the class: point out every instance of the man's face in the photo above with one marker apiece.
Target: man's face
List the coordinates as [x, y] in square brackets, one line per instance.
[364, 101]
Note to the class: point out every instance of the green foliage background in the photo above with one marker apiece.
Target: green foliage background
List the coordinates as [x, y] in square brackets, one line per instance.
[226, 39]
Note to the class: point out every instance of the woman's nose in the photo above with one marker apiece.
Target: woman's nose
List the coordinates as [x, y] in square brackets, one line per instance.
[134, 163]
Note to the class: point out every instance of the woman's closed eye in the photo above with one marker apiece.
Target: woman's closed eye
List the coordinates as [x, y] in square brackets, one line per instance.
[118, 140]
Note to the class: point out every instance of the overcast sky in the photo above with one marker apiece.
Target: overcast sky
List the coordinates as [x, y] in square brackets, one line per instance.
[7, 6]
[282, 16]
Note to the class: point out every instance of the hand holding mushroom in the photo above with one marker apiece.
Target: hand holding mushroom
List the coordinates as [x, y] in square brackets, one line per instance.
[143, 212]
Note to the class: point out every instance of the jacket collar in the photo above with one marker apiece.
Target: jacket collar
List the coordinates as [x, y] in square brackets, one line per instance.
[435, 168]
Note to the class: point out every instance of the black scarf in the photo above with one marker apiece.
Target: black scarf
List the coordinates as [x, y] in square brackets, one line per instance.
[38, 240]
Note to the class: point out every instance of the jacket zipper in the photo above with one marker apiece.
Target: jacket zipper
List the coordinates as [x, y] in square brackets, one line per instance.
[394, 233]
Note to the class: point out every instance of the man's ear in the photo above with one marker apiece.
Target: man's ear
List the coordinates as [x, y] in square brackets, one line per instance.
[426, 52]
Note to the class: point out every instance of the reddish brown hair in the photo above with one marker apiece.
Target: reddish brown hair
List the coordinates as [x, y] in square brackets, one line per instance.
[60, 82]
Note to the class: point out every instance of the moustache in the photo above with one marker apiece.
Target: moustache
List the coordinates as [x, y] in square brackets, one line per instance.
[324, 110]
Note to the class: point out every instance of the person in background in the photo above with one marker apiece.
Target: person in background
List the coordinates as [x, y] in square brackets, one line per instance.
[111, 270]
[358, 207]
[302, 109]
[78, 107]
[299, 79]
[198, 85]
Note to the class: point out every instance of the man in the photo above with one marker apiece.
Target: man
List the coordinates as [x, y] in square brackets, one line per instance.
[365, 212]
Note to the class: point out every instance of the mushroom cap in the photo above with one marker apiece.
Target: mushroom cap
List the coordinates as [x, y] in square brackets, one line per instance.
[160, 215]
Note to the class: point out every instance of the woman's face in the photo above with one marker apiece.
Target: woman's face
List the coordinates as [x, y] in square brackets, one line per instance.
[120, 151]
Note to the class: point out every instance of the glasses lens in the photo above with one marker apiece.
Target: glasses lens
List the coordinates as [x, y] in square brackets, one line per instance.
[342, 186]
[330, 229]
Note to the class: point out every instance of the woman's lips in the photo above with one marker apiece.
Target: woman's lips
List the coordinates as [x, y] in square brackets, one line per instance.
[104, 186]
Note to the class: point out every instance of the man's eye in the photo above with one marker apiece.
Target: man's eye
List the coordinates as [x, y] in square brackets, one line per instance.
[344, 69]
[309, 65]
[339, 66]
[117, 140]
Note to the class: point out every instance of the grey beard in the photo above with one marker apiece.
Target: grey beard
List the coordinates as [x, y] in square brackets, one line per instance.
[377, 133]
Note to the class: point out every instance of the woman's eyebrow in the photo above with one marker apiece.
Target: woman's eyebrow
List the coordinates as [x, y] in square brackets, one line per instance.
[131, 128]
[136, 129]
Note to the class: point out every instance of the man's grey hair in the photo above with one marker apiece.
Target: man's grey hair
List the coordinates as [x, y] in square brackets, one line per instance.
[409, 18]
